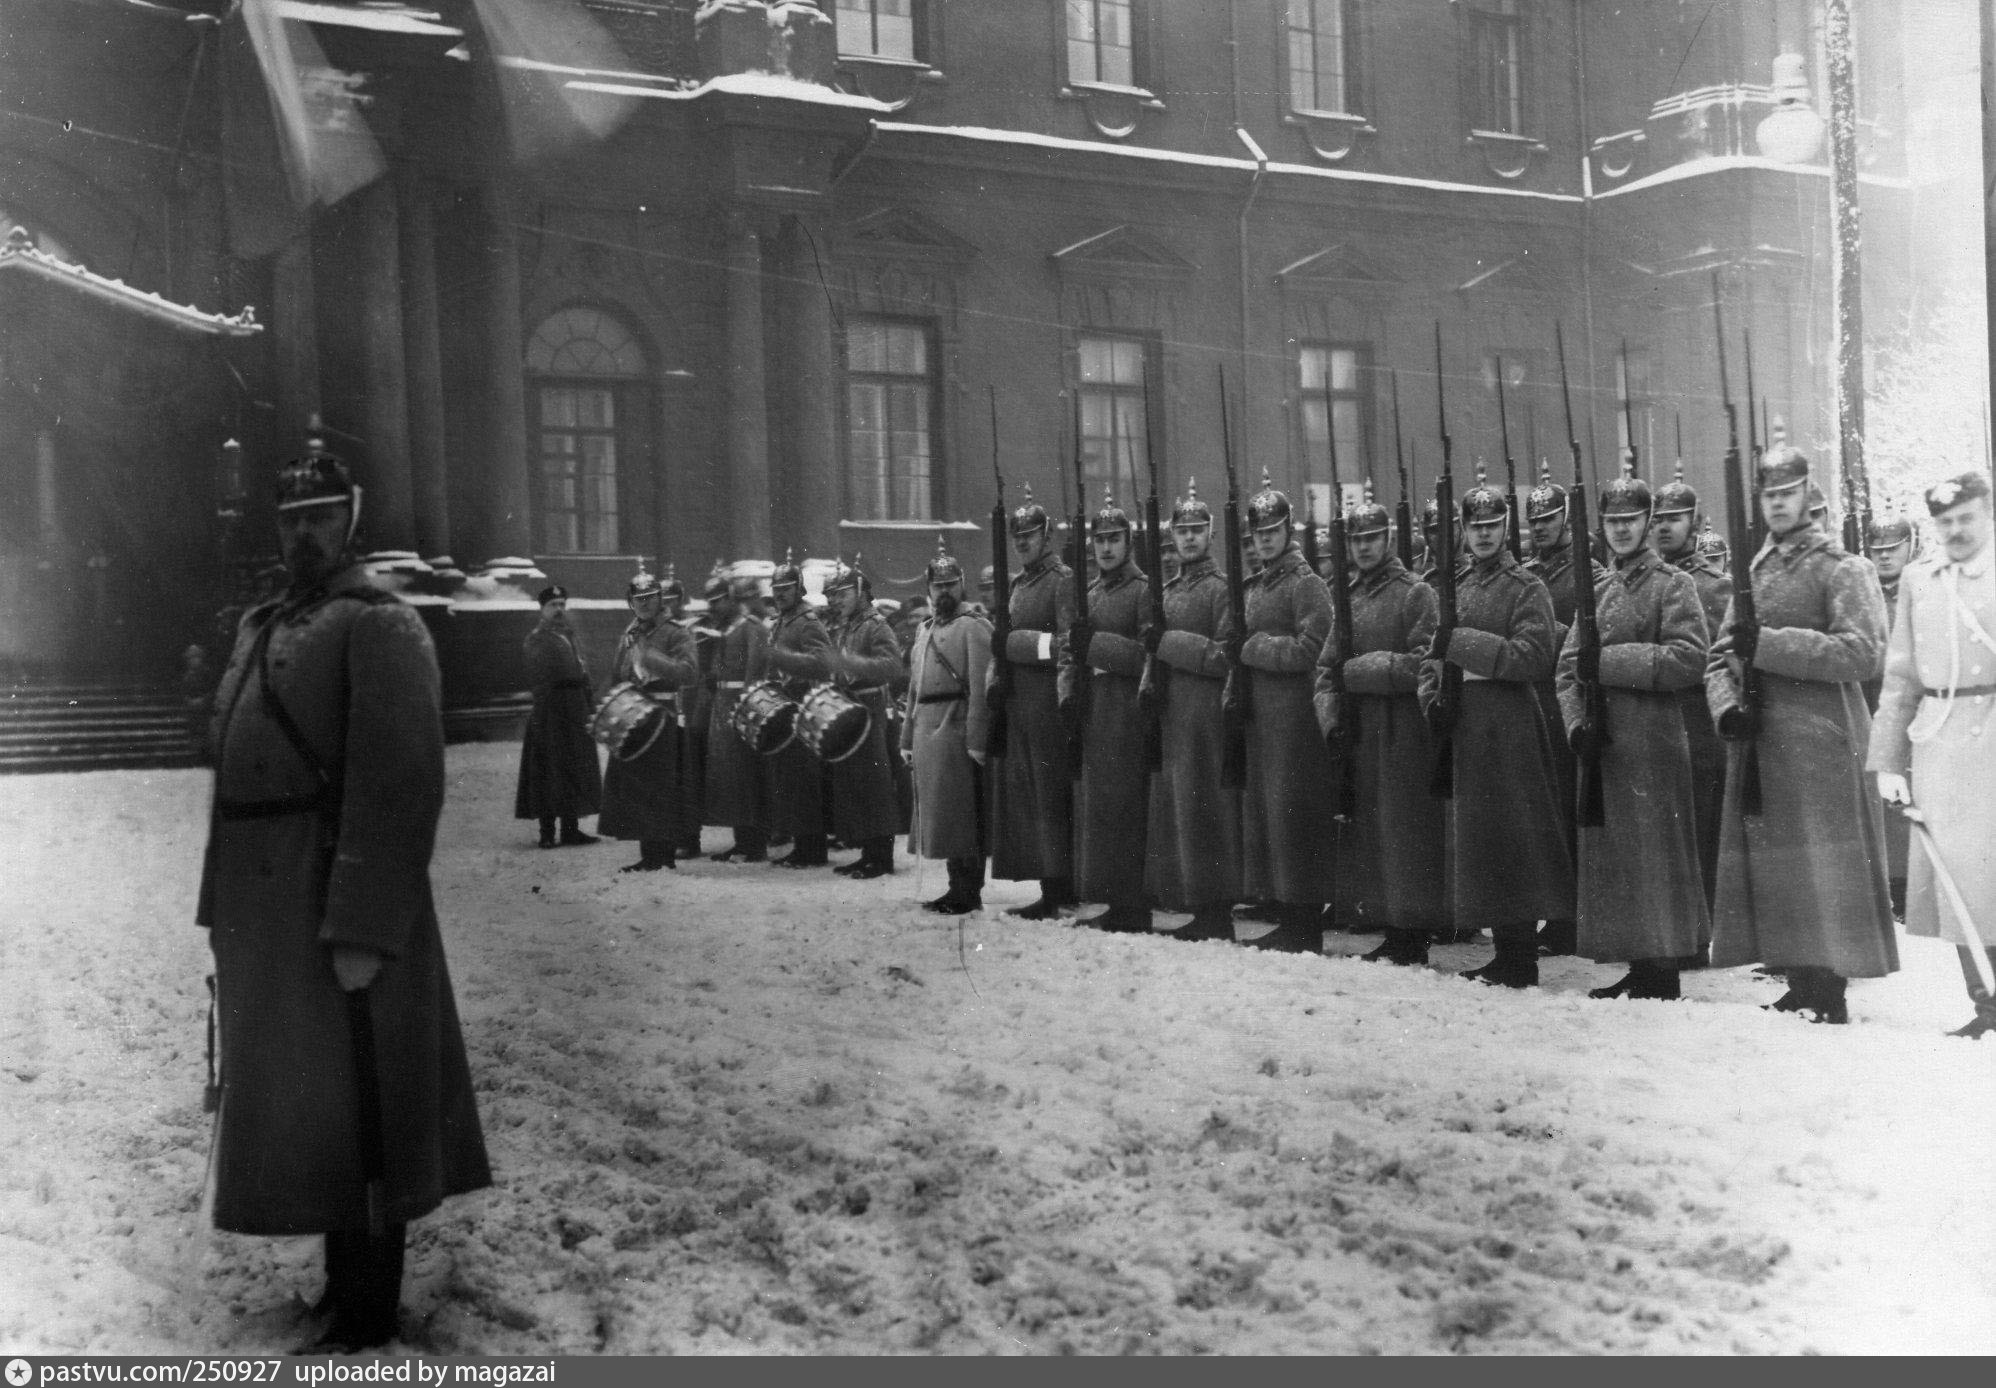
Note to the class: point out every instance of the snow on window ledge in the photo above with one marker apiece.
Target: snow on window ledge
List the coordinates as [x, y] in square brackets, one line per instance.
[1112, 108]
[1505, 154]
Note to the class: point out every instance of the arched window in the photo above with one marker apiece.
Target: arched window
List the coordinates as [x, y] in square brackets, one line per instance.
[586, 367]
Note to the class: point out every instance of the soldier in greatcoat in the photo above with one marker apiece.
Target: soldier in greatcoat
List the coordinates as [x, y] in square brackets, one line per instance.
[1802, 884]
[315, 890]
[1398, 825]
[1112, 799]
[1033, 825]
[1890, 546]
[1672, 535]
[1937, 726]
[1194, 839]
[866, 661]
[642, 795]
[737, 789]
[943, 737]
[1641, 900]
[799, 655]
[560, 779]
[693, 701]
[1288, 825]
[1553, 563]
[1510, 863]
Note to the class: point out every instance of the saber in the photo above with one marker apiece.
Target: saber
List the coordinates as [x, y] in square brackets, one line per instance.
[1956, 902]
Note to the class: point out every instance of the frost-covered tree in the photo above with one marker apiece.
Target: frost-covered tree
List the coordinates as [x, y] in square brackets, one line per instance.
[1925, 405]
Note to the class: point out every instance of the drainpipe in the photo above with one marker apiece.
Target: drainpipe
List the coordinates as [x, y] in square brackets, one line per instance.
[1247, 317]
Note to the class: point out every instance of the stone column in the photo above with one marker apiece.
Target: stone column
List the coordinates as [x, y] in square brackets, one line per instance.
[747, 420]
[295, 346]
[508, 521]
[811, 482]
[388, 518]
[422, 343]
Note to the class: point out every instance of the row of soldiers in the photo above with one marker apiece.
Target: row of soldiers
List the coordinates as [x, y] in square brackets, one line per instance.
[1083, 803]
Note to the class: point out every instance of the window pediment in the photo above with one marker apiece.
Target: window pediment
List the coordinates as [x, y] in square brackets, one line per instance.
[1122, 252]
[1338, 267]
[901, 233]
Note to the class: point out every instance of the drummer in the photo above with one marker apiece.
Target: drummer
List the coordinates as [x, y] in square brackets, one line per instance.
[642, 796]
[737, 778]
[798, 656]
[866, 661]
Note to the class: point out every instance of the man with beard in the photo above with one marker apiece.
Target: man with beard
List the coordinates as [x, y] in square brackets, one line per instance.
[642, 795]
[1511, 865]
[1934, 722]
[800, 654]
[1195, 820]
[943, 737]
[1288, 829]
[1398, 824]
[737, 778]
[1640, 901]
[866, 660]
[1672, 525]
[346, 1105]
[1555, 562]
[559, 776]
[1802, 884]
[1111, 804]
[1033, 821]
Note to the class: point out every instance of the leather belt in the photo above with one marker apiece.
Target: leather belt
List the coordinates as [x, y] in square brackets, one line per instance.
[1973, 691]
[312, 802]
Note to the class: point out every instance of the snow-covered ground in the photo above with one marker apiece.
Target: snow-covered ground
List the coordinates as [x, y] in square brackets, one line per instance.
[734, 1109]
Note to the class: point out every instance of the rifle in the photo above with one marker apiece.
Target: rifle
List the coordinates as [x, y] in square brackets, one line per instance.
[1403, 515]
[1756, 529]
[1001, 602]
[1441, 783]
[1154, 670]
[1343, 792]
[1510, 467]
[1590, 813]
[1745, 615]
[1628, 413]
[1078, 633]
[1678, 420]
[1236, 699]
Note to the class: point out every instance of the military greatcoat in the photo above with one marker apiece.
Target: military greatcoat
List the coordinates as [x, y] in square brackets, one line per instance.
[1033, 819]
[800, 654]
[1288, 826]
[1945, 640]
[947, 719]
[1195, 822]
[1554, 567]
[1395, 872]
[737, 778]
[1803, 883]
[1512, 863]
[1640, 894]
[559, 773]
[644, 798]
[866, 661]
[1112, 799]
[295, 865]
[1708, 752]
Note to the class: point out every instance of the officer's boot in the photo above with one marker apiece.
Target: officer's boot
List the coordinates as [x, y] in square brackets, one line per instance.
[809, 852]
[571, 834]
[1056, 896]
[966, 889]
[1516, 964]
[1408, 947]
[1213, 921]
[364, 1287]
[1984, 1020]
[1829, 1005]
[876, 859]
[653, 854]
[1124, 918]
[1558, 938]
[547, 831]
[1655, 979]
[1299, 929]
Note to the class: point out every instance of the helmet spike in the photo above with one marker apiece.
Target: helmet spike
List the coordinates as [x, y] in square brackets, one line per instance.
[1482, 473]
[1029, 492]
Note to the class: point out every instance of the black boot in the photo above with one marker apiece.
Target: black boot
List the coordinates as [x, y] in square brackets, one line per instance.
[809, 853]
[1558, 938]
[966, 889]
[572, 835]
[1056, 900]
[1516, 964]
[1829, 1006]
[1984, 1020]
[1619, 988]
[1299, 930]
[876, 859]
[1209, 922]
[547, 831]
[1655, 979]
[363, 1288]
[751, 845]
[653, 854]
[1124, 918]
[1400, 947]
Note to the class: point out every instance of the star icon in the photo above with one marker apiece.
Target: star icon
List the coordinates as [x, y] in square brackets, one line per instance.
[19, 1371]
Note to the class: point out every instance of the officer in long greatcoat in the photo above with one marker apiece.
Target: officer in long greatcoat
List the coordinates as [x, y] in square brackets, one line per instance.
[560, 779]
[1937, 724]
[1890, 546]
[1802, 884]
[1554, 552]
[944, 737]
[1194, 839]
[1674, 536]
[800, 652]
[866, 660]
[1398, 824]
[1033, 825]
[1511, 865]
[1641, 900]
[1288, 823]
[643, 796]
[315, 890]
[737, 781]
[1112, 800]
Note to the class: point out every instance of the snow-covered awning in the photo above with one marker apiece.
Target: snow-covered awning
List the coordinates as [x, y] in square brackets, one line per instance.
[19, 256]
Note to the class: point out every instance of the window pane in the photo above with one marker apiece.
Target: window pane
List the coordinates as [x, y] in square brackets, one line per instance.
[1344, 369]
[1129, 363]
[1302, 71]
[866, 345]
[557, 407]
[595, 410]
[888, 396]
[855, 27]
[907, 351]
[895, 29]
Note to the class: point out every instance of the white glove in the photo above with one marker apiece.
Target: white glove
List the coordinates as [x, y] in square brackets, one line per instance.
[354, 967]
[977, 757]
[1893, 789]
[907, 756]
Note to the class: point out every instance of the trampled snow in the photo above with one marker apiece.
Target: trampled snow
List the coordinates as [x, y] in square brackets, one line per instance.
[736, 1109]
